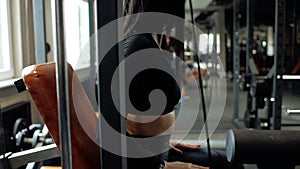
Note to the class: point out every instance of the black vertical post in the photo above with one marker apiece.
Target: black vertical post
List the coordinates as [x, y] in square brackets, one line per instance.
[122, 88]
[250, 20]
[92, 33]
[107, 11]
[236, 59]
[278, 63]
[294, 34]
[249, 75]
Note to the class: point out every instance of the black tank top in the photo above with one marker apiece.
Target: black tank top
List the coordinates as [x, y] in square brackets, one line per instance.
[149, 79]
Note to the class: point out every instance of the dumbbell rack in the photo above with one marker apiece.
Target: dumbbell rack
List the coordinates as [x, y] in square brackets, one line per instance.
[15, 160]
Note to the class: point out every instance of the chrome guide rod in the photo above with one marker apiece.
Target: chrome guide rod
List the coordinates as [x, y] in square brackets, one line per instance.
[293, 112]
[62, 88]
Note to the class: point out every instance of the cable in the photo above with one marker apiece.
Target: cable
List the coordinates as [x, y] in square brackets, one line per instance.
[201, 85]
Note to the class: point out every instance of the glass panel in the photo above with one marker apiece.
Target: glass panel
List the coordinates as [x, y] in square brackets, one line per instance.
[5, 54]
[77, 33]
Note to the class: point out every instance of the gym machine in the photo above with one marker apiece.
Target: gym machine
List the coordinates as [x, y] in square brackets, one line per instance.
[21, 141]
[27, 137]
[258, 88]
[263, 91]
[29, 158]
[266, 148]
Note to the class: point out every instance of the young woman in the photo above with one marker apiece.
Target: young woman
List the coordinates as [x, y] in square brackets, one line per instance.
[145, 82]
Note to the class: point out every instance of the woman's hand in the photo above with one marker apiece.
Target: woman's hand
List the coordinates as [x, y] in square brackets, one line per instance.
[178, 147]
[181, 165]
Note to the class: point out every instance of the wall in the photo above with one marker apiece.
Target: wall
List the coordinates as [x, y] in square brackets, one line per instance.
[23, 50]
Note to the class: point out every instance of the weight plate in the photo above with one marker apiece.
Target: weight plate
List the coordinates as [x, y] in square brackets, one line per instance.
[19, 125]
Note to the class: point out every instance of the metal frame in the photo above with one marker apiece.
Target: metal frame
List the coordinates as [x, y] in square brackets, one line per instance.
[122, 84]
[251, 110]
[291, 77]
[108, 11]
[236, 61]
[250, 20]
[278, 63]
[62, 88]
[92, 33]
[19, 159]
[294, 48]
[293, 112]
[274, 103]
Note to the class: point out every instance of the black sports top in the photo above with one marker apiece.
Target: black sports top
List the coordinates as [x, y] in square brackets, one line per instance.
[149, 79]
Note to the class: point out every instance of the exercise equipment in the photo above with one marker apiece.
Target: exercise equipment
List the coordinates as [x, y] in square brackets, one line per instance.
[266, 148]
[30, 137]
[19, 125]
[13, 118]
[40, 82]
[16, 160]
[291, 77]
[259, 93]
[26, 136]
[266, 91]
[259, 96]
[293, 112]
[29, 141]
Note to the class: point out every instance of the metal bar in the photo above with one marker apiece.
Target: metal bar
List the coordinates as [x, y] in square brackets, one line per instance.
[33, 155]
[208, 40]
[236, 60]
[250, 16]
[2, 139]
[252, 114]
[291, 77]
[283, 77]
[93, 51]
[278, 63]
[62, 88]
[294, 48]
[252, 67]
[290, 125]
[92, 34]
[293, 112]
[39, 31]
[122, 87]
[271, 72]
[107, 11]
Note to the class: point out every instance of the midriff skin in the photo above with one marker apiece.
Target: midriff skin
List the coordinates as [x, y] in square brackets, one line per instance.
[143, 125]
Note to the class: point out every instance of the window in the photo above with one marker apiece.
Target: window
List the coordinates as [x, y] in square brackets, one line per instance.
[77, 32]
[6, 69]
[206, 44]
